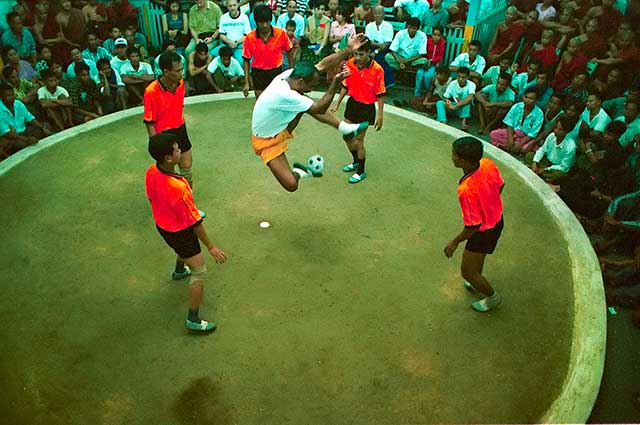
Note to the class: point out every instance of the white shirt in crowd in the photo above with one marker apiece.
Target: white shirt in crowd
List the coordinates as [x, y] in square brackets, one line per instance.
[235, 28]
[633, 129]
[277, 106]
[454, 91]
[478, 65]
[143, 69]
[233, 70]
[561, 156]
[550, 12]
[45, 94]
[117, 63]
[299, 20]
[408, 47]
[381, 34]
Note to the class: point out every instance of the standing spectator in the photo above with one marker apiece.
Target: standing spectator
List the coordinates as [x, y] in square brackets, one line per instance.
[175, 25]
[608, 17]
[199, 61]
[434, 16]
[226, 71]
[85, 97]
[494, 101]
[546, 10]
[340, 28]
[120, 58]
[290, 28]
[435, 53]
[524, 121]
[25, 70]
[113, 92]
[291, 15]
[72, 24]
[507, 37]
[18, 127]
[457, 98]
[95, 15]
[572, 61]
[122, 14]
[204, 22]
[408, 48]
[632, 120]
[380, 33]
[20, 38]
[76, 57]
[136, 75]
[554, 159]
[363, 14]
[94, 52]
[316, 34]
[262, 52]
[472, 60]
[54, 100]
[234, 27]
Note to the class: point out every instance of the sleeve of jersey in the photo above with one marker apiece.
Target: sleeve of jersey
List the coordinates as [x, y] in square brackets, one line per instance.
[470, 211]
[149, 113]
[246, 48]
[380, 88]
[187, 209]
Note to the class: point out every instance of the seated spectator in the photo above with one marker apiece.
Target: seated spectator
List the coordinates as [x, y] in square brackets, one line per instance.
[543, 88]
[85, 96]
[341, 29]
[458, 14]
[94, 51]
[169, 46]
[435, 53]
[290, 28]
[546, 10]
[204, 22]
[20, 38]
[592, 43]
[494, 101]
[592, 124]
[608, 17]
[175, 25]
[25, 70]
[613, 87]
[234, 26]
[545, 52]
[317, 34]
[552, 112]
[46, 32]
[55, 102]
[564, 28]
[507, 37]
[76, 57]
[120, 57]
[24, 90]
[532, 33]
[405, 9]
[408, 48]
[491, 75]
[136, 75]
[631, 119]
[554, 159]
[380, 33]
[44, 58]
[457, 98]
[201, 80]
[332, 9]
[301, 6]
[363, 14]
[18, 127]
[472, 60]
[274, 18]
[72, 24]
[226, 71]
[95, 15]
[576, 92]
[122, 14]
[524, 80]
[132, 41]
[437, 88]
[291, 15]
[113, 93]
[110, 43]
[524, 121]
[572, 61]
[623, 54]
[434, 16]
[615, 107]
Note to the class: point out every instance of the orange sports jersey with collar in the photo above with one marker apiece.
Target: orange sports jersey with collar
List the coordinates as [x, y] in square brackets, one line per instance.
[162, 107]
[479, 196]
[266, 55]
[366, 84]
[171, 200]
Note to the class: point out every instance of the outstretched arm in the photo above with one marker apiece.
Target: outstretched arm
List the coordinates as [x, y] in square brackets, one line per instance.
[334, 59]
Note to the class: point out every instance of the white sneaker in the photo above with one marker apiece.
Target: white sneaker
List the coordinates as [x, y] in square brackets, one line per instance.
[487, 303]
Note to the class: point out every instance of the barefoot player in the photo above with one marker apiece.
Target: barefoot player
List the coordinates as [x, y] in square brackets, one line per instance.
[179, 222]
[479, 195]
[280, 107]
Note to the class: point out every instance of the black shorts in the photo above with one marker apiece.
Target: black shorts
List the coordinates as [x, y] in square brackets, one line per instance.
[184, 242]
[263, 77]
[183, 138]
[360, 112]
[485, 242]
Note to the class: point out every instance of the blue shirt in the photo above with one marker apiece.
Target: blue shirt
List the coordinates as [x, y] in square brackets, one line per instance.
[93, 70]
[25, 48]
[299, 20]
[429, 18]
[101, 53]
[492, 94]
[18, 121]
[530, 125]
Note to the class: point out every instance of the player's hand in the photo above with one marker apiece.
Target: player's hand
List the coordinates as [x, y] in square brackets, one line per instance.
[344, 73]
[450, 249]
[378, 124]
[356, 41]
[218, 254]
[245, 90]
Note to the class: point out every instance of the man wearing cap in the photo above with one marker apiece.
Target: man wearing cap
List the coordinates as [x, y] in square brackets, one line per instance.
[120, 57]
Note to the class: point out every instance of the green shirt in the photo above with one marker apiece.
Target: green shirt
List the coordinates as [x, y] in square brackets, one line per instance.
[207, 20]
[24, 87]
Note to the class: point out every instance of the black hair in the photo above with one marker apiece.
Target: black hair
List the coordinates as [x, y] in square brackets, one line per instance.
[161, 145]
[580, 106]
[505, 76]
[225, 51]
[103, 61]
[463, 70]
[568, 123]
[616, 128]
[413, 22]
[305, 70]
[262, 13]
[168, 42]
[469, 149]
[12, 15]
[596, 95]
[202, 47]
[46, 74]
[531, 90]
[476, 43]
[167, 59]
[442, 69]
[133, 49]
[438, 28]
[291, 24]
[6, 71]
[79, 67]
[365, 46]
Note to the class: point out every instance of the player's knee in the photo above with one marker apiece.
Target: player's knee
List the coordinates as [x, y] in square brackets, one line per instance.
[187, 173]
[198, 276]
[290, 185]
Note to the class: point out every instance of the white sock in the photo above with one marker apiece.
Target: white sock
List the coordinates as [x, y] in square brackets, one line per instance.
[300, 173]
[346, 128]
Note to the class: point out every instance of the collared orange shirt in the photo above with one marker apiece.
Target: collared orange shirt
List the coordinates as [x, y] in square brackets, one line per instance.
[479, 196]
[162, 107]
[171, 200]
[266, 55]
[366, 84]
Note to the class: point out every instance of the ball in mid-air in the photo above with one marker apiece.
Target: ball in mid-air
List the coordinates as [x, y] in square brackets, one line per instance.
[315, 164]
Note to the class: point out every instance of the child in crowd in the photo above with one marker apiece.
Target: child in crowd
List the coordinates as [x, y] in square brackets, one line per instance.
[44, 57]
[226, 71]
[85, 97]
[290, 28]
[437, 88]
[113, 93]
[457, 98]
[199, 60]
[55, 102]
[110, 43]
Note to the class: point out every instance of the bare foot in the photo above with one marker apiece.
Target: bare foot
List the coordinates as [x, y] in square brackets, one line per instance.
[554, 187]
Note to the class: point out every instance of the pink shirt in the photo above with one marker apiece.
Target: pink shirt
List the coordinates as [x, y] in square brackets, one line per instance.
[340, 31]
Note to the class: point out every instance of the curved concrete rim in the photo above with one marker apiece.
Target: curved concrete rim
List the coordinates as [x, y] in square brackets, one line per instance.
[586, 364]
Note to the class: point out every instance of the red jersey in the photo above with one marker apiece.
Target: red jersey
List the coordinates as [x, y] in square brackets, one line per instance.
[266, 55]
[162, 107]
[479, 196]
[366, 84]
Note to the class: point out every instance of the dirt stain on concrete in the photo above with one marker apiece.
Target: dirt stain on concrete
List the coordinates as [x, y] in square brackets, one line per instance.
[201, 404]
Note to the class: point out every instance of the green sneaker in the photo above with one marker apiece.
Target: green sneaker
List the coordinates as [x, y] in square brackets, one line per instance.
[487, 303]
[357, 178]
[361, 127]
[350, 167]
[201, 328]
[303, 171]
[178, 276]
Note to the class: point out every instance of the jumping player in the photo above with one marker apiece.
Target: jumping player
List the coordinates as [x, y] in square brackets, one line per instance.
[479, 195]
[179, 222]
[279, 108]
[365, 85]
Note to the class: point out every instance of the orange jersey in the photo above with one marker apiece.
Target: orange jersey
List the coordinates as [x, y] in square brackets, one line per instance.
[479, 196]
[162, 107]
[366, 84]
[266, 55]
[171, 200]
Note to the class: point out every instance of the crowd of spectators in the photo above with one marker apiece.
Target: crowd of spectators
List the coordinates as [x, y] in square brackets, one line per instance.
[558, 86]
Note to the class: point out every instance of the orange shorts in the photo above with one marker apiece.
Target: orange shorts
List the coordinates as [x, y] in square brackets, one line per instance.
[269, 148]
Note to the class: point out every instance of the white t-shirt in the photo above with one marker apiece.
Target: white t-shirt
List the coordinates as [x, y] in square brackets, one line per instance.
[277, 106]
[459, 93]
[43, 93]
[478, 65]
[383, 34]
[143, 69]
[407, 47]
[544, 14]
[234, 28]
[117, 63]
[233, 70]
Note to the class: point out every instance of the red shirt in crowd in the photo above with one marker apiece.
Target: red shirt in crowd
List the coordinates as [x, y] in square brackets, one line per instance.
[609, 21]
[566, 71]
[435, 52]
[512, 34]
[547, 56]
[162, 107]
[479, 196]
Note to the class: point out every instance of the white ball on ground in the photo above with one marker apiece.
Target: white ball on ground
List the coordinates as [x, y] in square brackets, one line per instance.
[264, 224]
[316, 163]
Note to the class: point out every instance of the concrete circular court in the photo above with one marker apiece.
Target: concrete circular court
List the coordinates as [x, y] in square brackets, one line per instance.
[344, 311]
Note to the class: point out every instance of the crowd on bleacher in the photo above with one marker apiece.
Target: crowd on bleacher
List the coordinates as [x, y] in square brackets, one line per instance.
[557, 86]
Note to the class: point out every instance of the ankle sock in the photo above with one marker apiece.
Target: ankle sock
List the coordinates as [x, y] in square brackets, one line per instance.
[346, 128]
[193, 316]
[354, 154]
